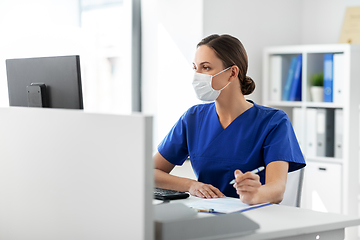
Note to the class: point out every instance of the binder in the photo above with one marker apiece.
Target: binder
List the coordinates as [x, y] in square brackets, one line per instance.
[311, 133]
[338, 149]
[338, 63]
[295, 90]
[325, 132]
[275, 77]
[289, 79]
[330, 132]
[320, 133]
[328, 77]
[298, 125]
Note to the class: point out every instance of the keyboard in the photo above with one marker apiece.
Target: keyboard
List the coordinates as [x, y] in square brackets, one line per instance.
[167, 194]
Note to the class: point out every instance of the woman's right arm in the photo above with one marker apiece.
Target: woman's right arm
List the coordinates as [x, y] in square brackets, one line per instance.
[163, 179]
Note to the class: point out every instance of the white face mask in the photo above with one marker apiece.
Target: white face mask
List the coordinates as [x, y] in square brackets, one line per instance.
[203, 88]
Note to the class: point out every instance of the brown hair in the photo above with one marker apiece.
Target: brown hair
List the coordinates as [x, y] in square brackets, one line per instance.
[231, 51]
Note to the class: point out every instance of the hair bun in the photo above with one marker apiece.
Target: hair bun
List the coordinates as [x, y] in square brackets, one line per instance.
[247, 86]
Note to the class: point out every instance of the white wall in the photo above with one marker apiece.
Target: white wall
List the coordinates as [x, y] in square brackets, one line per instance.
[322, 20]
[257, 24]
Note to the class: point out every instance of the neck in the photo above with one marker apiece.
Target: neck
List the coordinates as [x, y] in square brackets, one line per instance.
[230, 107]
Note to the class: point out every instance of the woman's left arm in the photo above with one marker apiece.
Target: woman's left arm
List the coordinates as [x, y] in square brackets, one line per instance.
[251, 191]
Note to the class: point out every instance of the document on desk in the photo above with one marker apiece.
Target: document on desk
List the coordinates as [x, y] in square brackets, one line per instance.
[224, 205]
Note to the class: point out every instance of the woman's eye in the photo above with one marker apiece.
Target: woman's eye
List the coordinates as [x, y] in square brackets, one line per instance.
[206, 68]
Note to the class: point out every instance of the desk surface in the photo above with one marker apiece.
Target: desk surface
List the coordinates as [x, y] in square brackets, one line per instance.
[284, 222]
[277, 221]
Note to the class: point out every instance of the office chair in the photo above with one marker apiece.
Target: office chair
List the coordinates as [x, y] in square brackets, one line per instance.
[292, 195]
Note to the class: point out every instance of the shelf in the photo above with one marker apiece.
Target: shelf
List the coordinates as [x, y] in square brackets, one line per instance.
[323, 105]
[304, 104]
[314, 127]
[304, 49]
[325, 159]
[285, 103]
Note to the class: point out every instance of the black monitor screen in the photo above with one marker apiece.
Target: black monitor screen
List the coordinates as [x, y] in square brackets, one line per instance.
[53, 82]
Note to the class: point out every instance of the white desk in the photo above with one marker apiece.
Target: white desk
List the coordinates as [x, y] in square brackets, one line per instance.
[282, 222]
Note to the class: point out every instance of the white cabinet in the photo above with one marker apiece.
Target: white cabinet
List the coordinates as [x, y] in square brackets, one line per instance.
[331, 180]
[322, 186]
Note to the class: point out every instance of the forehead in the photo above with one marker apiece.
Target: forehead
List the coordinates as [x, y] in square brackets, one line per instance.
[206, 54]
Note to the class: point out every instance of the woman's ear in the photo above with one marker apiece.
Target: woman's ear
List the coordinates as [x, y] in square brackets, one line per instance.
[234, 72]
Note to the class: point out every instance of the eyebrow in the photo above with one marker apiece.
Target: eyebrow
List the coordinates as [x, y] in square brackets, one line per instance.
[202, 63]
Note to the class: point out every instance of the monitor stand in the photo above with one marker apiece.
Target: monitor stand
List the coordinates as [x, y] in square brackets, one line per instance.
[36, 95]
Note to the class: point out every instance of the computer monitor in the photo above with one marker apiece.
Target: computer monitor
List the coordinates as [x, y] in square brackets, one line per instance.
[53, 82]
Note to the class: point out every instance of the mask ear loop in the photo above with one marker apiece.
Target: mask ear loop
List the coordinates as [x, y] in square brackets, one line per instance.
[222, 71]
[225, 86]
[218, 74]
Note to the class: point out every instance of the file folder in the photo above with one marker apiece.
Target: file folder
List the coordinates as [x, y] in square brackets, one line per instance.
[311, 133]
[338, 149]
[338, 78]
[328, 77]
[325, 132]
[289, 80]
[275, 77]
[295, 90]
[297, 123]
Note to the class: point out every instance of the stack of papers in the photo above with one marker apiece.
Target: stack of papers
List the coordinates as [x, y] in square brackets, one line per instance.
[223, 205]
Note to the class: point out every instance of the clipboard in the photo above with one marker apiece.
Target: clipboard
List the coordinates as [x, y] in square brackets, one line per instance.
[223, 205]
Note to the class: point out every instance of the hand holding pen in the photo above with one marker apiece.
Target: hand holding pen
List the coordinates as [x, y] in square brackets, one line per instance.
[247, 184]
[257, 170]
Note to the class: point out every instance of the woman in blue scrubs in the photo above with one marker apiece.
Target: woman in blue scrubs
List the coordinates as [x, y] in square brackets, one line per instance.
[229, 136]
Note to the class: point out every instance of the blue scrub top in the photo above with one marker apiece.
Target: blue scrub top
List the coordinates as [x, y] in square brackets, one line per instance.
[257, 137]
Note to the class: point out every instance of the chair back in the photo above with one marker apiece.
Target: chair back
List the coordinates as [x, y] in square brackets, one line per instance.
[292, 195]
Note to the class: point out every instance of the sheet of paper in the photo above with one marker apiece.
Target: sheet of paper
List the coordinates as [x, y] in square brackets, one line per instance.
[222, 205]
[156, 202]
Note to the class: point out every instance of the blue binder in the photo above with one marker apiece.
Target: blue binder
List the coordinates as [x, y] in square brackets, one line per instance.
[328, 77]
[295, 90]
[289, 79]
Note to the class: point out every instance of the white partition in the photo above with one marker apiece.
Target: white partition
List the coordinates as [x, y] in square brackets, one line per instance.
[66, 174]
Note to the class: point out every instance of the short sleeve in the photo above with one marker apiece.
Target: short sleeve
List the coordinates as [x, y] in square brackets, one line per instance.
[281, 143]
[174, 146]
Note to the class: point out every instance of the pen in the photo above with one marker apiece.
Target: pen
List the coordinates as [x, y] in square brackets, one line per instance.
[204, 210]
[257, 170]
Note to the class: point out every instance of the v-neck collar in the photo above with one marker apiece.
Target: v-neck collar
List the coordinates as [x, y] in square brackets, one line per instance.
[238, 117]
